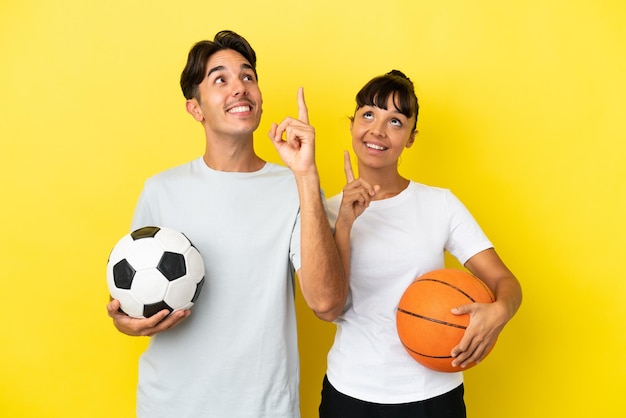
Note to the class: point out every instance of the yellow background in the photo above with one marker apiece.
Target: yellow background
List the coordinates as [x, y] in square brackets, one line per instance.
[522, 117]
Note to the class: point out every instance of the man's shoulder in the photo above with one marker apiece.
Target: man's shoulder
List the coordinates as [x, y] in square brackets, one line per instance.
[177, 171]
[271, 167]
[273, 172]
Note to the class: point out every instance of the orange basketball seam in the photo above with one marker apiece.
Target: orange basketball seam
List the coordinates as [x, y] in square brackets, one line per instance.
[427, 318]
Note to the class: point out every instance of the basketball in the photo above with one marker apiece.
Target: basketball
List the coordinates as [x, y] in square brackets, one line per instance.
[426, 326]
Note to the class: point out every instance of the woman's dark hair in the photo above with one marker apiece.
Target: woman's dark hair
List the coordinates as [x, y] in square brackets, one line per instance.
[393, 84]
[195, 70]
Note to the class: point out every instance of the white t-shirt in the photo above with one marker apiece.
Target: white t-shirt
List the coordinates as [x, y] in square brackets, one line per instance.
[394, 241]
[236, 355]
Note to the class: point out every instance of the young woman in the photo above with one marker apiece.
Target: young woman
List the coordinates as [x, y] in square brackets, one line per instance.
[390, 230]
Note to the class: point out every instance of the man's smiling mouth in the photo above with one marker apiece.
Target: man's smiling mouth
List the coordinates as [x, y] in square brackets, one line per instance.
[239, 109]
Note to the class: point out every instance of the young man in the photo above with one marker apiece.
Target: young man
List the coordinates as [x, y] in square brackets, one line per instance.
[254, 223]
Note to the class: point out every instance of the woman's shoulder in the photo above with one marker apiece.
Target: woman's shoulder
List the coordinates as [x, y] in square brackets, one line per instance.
[424, 189]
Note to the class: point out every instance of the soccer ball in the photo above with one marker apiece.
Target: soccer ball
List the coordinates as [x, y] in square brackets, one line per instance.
[154, 268]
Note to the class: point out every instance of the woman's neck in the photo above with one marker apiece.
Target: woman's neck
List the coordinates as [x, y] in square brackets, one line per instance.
[390, 183]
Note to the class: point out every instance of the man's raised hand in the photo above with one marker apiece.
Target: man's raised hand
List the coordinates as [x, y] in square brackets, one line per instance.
[294, 140]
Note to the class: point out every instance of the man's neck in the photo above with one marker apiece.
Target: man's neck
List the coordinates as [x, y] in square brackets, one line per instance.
[232, 155]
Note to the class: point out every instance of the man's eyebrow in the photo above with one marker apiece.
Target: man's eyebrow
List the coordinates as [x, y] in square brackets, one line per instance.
[214, 69]
[221, 67]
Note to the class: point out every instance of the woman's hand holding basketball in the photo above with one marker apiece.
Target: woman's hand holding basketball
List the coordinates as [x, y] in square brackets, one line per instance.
[486, 322]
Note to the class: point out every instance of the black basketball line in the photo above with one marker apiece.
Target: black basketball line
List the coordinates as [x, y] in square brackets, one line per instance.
[449, 285]
[427, 318]
[422, 354]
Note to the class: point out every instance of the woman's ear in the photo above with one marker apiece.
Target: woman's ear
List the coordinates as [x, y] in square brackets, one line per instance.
[411, 140]
[193, 108]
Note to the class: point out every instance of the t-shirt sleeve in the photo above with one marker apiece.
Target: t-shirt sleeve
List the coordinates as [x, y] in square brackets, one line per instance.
[294, 253]
[142, 215]
[294, 247]
[332, 210]
[466, 238]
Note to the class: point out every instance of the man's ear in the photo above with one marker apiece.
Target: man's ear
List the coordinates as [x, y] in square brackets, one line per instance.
[193, 108]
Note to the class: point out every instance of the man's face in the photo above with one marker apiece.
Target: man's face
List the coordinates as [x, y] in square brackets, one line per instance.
[230, 101]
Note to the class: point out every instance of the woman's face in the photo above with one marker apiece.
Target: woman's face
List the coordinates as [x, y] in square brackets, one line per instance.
[379, 136]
